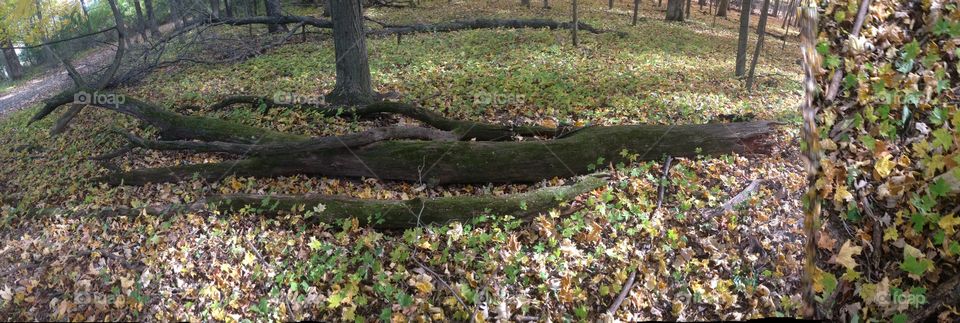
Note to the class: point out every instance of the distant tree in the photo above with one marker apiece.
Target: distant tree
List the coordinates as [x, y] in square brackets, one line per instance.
[689, 8]
[722, 7]
[742, 40]
[761, 31]
[215, 8]
[674, 10]
[636, 7]
[141, 25]
[273, 10]
[228, 8]
[349, 42]
[151, 18]
[525, 3]
[576, 24]
[610, 4]
[13, 66]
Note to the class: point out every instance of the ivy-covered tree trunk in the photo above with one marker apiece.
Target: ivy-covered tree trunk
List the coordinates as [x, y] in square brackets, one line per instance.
[675, 10]
[349, 41]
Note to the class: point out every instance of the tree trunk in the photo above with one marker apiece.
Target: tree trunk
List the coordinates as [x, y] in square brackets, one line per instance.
[742, 40]
[151, 18]
[215, 8]
[228, 7]
[546, 4]
[776, 9]
[674, 10]
[689, 8]
[445, 162]
[576, 24]
[525, 3]
[349, 40]
[273, 10]
[610, 4]
[636, 8]
[761, 32]
[722, 7]
[175, 14]
[141, 22]
[701, 3]
[86, 16]
[14, 68]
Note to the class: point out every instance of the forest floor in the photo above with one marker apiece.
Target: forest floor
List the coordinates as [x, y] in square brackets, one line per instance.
[242, 266]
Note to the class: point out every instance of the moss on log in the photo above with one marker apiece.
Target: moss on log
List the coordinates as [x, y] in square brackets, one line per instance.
[485, 162]
[392, 214]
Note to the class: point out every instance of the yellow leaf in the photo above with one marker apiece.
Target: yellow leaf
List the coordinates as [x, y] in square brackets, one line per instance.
[884, 165]
[948, 222]
[845, 256]
[842, 194]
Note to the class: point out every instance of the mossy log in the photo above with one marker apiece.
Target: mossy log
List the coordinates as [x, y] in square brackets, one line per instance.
[381, 214]
[393, 214]
[447, 162]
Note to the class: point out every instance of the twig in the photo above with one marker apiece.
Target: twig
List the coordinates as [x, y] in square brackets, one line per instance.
[737, 199]
[623, 294]
[427, 269]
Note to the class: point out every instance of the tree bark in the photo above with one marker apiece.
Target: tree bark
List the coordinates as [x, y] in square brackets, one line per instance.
[761, 32]
[576, 24]
[228, 8]
[141, 22]
[397, 214]
[151, 18]
[176, 14]
[722, 7]
[610, 4]
[743, 37]
[674, 10]
[444, 162]
[689, 8]
[14, 68]
[349, 40]
[273, 10]
[636, 8]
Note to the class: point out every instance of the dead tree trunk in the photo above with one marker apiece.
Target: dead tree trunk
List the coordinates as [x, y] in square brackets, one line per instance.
[349, 41]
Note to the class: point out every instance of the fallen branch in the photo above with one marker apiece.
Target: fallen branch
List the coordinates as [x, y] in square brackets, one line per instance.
[946, 294]
[295, 147]
[459, 25]
[623, 294]
[737, 199]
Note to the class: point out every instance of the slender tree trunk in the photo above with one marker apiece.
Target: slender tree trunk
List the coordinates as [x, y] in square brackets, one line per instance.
[215, 8]
[273, 10]
[659, 3]
[610, 4]
[790, 9]
[689, 8]
[14, 68]
[151, 18]
[175, 14]
[576, 23]
[141, 25]
[776, 9]
[525, 3]
[742, 40]
[228, 7]
[546, 4]
[86, 15]
[761, 32]
[636, 7]
[722, 7]
[349, 40]
[674, 10]
[701, 3]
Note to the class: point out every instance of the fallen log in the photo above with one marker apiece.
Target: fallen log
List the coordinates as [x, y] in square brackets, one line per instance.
[393, 214]
[439, 162]
[459, 25]
[466, 130]
[380, 214]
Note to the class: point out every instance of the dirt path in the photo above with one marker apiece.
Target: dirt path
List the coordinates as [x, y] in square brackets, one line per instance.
[51, 82]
